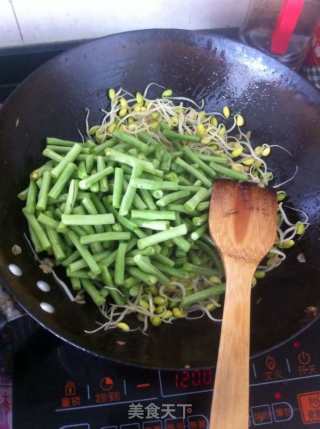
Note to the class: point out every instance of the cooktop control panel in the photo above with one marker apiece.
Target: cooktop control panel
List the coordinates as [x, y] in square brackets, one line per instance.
[68, 389]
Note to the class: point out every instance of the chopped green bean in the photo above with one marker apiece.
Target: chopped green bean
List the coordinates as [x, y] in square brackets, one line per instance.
[126, 223]
[60, 142]
[104, 186]
[23, 194]
[84, 252]
[172, 135]
[65, 149]
[195, 172]
[62, 180]
[200, 220]
[93, 292]
[67, 159]
[72, 196]
[228, 172]
[219, 159]
[82, 172]
[31, 198]
[154, 185]
[174, 272]
[55, 243]
[122, 158]
[204, 205]
[39, 232]
[94, 178]
[51, 154]
[207, 247]
[75, 283]
[47, 220]
[117, 187]
[71, 258]
[145, 265]
[194, 157]
[35, 241]
[158, 194]
[156, 225]
[146, 138]
[182, 243]
[172, 197]
[162, 259]
[148, 251]
[131, 140]
[138, 202]
[192, 204]
[153, 214]
[89, 162]
[199, 232]
[179, 208]
[96, 219]
[166, 161]
[119, 268]
[159, 237]
[203, 271]
[149, 279]
[81, 274]
[130, 193]
[105, 236]
[103, 146]
[202, 295]
[147, 198]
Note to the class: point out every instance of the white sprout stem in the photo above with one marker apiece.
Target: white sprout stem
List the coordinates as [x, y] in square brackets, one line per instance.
[285, 182]
[60, 282]
[281, 148]
[283, 215]
[303, 213]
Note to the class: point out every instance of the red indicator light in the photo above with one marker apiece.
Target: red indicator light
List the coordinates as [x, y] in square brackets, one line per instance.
[277, 396]
[143, 386]
[296, 344]
[106, 383]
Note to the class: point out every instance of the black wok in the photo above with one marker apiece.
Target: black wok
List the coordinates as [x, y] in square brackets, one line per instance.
[280, 107]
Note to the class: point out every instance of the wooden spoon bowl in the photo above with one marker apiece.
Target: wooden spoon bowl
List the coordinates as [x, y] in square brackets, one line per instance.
[243, 225]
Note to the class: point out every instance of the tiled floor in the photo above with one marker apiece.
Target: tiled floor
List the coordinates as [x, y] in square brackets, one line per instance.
[44, 21]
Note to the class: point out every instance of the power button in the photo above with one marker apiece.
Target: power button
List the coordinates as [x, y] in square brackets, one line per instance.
[309, 406]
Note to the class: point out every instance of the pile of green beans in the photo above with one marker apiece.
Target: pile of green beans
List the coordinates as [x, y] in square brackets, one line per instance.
[126, 211]
[127, 216]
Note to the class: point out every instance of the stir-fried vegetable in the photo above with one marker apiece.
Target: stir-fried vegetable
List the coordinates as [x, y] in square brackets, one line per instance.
[125, 212]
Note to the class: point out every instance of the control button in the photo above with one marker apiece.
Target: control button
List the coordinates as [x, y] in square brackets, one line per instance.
[272, 370]
[106, 384]
[282, 411]
[109, 390]
[70, 388]
[261, 415]
[71, 397]
[157, 424]
[309, 406]
[104, 397]
[270, 363]
[305, 365]
[198, 422]
[174, 424]
[304, 358]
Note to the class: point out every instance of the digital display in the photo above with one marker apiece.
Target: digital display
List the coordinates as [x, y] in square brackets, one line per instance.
[202, 378]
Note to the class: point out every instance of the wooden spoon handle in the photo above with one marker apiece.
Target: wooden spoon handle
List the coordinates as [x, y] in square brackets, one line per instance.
[230, 406]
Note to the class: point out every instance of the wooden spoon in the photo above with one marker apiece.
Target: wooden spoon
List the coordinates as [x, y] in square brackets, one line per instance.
[243, 224]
